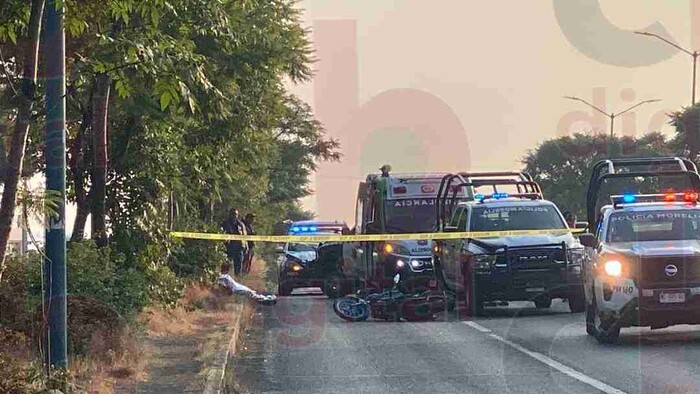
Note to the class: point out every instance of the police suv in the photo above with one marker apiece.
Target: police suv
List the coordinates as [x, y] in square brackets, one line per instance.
[499, 269]
[646, 261]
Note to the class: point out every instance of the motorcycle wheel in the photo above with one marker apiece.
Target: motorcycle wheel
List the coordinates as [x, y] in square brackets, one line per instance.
[351, 308]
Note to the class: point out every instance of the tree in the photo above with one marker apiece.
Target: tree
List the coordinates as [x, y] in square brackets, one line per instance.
[25, 97]
[562, 166]
[687, 138]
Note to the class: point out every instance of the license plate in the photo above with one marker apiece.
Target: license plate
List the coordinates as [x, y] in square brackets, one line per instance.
[671, 298]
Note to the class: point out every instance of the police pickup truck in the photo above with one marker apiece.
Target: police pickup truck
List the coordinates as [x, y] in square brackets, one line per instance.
[306, 264]
[646, 261]
[536, 267]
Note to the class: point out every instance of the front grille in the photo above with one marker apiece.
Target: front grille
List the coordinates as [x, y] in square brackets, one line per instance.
[530, 258]
[657, 272]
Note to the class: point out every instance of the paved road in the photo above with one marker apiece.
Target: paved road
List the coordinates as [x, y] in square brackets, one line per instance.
[301, 346]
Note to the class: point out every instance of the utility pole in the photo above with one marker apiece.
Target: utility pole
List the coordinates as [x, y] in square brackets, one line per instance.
[693, 54]
[55, 261]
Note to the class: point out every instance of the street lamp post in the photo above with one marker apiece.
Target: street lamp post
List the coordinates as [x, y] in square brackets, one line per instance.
[611, 115]
[693, 54]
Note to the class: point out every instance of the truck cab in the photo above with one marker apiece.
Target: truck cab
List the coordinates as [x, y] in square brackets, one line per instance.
[394, 204]
[645, 269]
[498, 268]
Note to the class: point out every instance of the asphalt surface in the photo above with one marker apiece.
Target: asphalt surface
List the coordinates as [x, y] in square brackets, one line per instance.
[300, 345]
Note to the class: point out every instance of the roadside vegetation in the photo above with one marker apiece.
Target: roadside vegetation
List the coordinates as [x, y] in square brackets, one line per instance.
[177, 110]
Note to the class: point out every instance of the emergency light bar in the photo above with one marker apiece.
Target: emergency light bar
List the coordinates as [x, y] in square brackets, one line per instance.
[690, 197]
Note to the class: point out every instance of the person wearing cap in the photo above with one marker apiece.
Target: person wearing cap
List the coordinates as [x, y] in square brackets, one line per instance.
[248, 222]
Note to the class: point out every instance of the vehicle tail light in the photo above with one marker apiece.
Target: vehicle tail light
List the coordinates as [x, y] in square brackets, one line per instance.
[400, 190]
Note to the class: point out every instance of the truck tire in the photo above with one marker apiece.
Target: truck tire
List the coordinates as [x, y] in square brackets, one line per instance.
[577, 302]
[543, 302]
[474, 303]
[334, 288]
[604, 332]
[284, 289]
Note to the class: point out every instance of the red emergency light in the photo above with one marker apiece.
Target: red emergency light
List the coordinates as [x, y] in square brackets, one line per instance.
[690, 196]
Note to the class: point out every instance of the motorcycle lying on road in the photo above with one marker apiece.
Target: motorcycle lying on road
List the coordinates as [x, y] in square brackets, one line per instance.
[392, 305]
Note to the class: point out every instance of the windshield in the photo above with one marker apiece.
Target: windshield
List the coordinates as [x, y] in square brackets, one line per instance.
[653, 226]
[516, 217]
[410, 215]
[302, 247]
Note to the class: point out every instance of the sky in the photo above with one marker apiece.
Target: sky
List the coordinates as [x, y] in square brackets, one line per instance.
[447, 85]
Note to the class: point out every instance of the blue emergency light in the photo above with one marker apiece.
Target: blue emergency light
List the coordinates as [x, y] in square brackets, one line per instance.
[499, 196]
[629, 198]
[307, 230]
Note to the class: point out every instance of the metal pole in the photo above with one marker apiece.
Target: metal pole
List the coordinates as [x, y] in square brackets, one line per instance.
[695, 63]
[55, 262]
[612, 125]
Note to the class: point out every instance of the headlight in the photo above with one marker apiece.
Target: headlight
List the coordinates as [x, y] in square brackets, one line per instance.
[613, 268]
[575, 256]
[484, 261]
[400, 263]
[294, 266]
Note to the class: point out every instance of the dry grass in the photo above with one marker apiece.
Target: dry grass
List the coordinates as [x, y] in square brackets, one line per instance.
[103, 372]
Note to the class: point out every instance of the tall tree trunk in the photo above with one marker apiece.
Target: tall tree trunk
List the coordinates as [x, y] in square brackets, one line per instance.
[100, 109]
[18, 143]
[77, 167]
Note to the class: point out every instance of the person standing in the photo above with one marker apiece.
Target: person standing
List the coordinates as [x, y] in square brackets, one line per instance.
[235, 250]
[570, 218]
[248, 262]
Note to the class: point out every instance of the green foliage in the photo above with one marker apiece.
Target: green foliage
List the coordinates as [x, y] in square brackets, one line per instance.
[198, 116]
[562, 166]
[97, 273]
[687, 138]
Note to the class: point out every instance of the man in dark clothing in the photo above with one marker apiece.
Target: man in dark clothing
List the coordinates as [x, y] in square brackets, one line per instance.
[235, 250]
[247, 262]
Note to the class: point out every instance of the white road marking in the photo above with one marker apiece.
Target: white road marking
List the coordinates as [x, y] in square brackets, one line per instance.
[476, 326]
[561, 367]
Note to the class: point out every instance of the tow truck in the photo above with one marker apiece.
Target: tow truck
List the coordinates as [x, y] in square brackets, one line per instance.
[645, 269]
[393, 204]
[500, 269]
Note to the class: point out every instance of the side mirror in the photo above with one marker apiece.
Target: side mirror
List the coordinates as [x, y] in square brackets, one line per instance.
[588, 239]
[358, 252]
[279, 249]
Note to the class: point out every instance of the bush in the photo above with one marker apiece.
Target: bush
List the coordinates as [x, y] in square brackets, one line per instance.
[97, 273]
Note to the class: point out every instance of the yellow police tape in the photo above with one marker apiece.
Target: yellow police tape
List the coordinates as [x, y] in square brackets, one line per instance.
[368, 237]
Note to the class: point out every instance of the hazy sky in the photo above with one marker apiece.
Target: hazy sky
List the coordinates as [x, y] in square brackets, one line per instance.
[500, 67]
